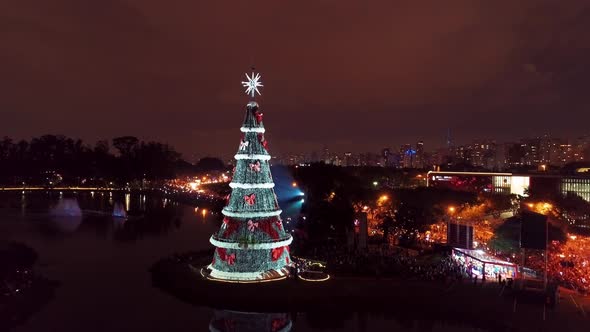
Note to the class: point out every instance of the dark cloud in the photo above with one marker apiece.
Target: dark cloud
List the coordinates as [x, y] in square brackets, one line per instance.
[347, 74]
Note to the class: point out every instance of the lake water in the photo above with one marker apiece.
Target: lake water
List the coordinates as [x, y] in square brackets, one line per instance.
[102, 263]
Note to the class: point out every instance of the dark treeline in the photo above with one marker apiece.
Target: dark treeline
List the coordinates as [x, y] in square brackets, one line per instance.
[59, 160]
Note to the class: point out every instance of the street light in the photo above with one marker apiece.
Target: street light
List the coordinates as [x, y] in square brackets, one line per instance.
[451, 209]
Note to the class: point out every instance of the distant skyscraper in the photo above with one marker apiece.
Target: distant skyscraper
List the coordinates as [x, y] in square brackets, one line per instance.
[545, 149]
[450, 143]
[385, 156]
[408, 155]
[531, 148]
[482, 153]
[515, 155]
[326, 156]
[348, 160]
[419, 161]
[314, 157]
[502, 156]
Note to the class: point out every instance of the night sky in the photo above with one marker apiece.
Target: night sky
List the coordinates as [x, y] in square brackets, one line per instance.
[349, 75]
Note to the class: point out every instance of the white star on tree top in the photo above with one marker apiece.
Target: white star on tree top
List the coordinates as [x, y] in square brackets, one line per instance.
[252, 84]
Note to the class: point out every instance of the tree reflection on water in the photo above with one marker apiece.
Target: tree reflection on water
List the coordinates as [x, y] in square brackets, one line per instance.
[230, 321]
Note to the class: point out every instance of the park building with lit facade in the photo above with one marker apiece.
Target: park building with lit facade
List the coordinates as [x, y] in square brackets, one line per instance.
[515, 183]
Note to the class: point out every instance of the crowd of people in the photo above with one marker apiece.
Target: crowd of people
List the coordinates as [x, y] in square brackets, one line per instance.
[390, 262]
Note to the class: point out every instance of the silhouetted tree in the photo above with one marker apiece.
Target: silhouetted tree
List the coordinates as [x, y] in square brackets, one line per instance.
[207, 164]
[125, 145]
[50, 157]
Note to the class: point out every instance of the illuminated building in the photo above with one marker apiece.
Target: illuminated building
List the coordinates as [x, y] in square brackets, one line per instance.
[483, 265]
[386, 157]
[518, 184]
[348, 159]
[419, 162]
[579, 186]
[531, 151]
[407, 156]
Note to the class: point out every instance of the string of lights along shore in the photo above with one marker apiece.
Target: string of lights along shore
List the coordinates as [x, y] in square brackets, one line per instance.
[251, 244]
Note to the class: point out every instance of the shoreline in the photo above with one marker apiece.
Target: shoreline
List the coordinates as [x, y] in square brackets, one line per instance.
[485, 306]
[25, 291]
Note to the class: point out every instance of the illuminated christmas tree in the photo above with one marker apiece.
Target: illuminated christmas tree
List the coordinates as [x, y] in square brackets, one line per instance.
[251, 243]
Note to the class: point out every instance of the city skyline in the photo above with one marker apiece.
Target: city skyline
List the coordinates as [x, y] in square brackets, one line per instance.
[353, 78]
[487, 153]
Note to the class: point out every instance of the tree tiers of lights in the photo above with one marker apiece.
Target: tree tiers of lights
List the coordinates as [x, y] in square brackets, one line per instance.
[251, 244]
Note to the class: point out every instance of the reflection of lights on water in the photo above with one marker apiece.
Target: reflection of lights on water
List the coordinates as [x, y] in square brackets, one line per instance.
[127, 201]
[196, 209]
[204, 212]
[327, 277]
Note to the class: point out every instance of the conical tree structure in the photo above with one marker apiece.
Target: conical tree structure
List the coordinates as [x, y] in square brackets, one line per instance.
[251, 243]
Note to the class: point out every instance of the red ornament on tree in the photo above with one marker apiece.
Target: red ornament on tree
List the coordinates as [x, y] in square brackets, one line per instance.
[222, 253]
[252, 225]
[230, 227]
[230, 324]
[255, 166]
[278, 324]
[258, 116]
[266, 227]
[250, 199]
[276, 253]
